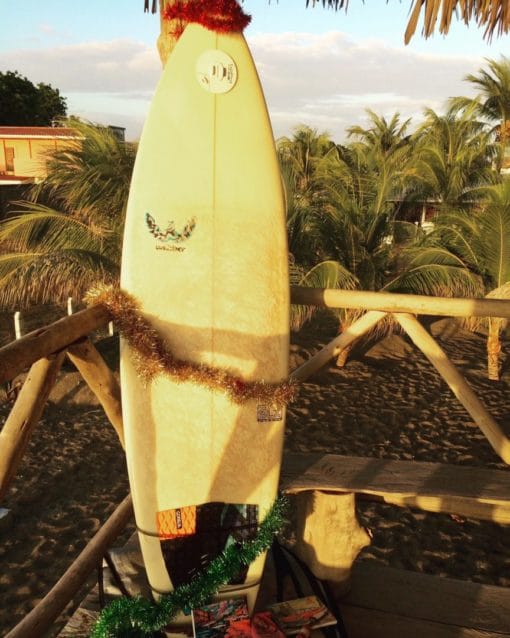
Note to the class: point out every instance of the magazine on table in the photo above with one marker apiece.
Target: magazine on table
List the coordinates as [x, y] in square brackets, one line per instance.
[228, 618]
[293, 615]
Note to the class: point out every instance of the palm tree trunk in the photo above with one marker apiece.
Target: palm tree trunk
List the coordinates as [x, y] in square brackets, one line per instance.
[343, 356]
[169, 29]
[504, 141]
[493, 350]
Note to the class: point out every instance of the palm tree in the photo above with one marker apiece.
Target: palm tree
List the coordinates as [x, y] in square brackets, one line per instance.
[303, 225]
[479, 240]
[365, 232]
[384, 135]
[357, 233]
[453, 158]
[305, 158]
[304, 161]
[361, 229]
[492, 103]
[67, 236]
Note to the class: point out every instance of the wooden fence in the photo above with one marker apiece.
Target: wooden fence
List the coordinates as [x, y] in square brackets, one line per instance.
[14, 325]
[325, 485]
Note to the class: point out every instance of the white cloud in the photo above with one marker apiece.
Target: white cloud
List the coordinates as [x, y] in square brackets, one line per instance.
[328, 80]
[47, 29]
[118, 65]
[325, 80]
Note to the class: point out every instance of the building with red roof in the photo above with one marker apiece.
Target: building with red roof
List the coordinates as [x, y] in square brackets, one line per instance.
[24, 150]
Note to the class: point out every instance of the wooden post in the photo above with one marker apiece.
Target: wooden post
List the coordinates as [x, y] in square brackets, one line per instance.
[40, 619]
[101, 381]
[333, 348]
[167, 38]
[24, 416]
[6, 519]
[329, 536]
[493, 349]
[458, 385]
[17, 324]
[18, 355]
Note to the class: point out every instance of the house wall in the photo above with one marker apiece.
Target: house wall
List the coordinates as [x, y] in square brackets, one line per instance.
[29, 155]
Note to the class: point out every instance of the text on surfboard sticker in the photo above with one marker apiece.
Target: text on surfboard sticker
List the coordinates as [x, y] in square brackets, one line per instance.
[216, 71]
[268, 413]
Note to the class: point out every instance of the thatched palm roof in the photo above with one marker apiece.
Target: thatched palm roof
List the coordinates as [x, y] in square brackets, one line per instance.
[493, 15]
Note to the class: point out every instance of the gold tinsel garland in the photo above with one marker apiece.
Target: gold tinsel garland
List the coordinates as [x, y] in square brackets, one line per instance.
[152, 357]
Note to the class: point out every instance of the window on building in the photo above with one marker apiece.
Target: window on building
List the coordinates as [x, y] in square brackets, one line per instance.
[9, 159]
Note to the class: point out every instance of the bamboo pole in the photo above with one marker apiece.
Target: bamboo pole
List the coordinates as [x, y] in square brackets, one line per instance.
[493, 350]
[361, 326]
[393, 302]
[458, 385]
[25, 415]
[100, 379]
[40, 619]
[20, 354]
[17, 325]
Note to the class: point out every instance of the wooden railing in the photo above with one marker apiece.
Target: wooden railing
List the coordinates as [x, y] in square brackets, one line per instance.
[431, 487]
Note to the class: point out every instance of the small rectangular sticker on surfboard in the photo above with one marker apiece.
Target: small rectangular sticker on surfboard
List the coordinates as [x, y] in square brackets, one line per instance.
[268, 413]
[177, 522]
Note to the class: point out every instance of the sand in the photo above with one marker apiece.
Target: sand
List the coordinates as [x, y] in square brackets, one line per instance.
[387, 402]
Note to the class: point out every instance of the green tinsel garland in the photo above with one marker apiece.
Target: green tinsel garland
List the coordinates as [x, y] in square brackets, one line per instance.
[138, 617]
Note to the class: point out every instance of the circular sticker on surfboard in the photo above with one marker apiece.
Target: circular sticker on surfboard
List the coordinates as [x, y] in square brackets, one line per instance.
[216, 71]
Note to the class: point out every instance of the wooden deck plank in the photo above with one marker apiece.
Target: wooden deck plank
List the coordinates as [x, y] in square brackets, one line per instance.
[425, 599]
[363, 623]
[435, 487]
[383, 602]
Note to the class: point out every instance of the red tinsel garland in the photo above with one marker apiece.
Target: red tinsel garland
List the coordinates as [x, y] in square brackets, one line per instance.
[222, 16]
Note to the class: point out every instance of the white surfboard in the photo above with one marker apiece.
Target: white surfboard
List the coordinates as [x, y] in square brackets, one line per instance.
[205, 254]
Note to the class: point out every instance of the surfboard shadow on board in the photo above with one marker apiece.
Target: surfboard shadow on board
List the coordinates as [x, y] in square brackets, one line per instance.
[213, 470]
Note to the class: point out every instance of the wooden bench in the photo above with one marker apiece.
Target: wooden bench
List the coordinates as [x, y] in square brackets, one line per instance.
[434, 487]
[383, 602]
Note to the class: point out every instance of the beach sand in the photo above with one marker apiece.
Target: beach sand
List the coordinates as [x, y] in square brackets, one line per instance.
[387, 402]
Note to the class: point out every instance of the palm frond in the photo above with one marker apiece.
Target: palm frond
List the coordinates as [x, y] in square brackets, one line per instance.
[68, 234]
[439, 280]
[494, 234]
[494, 15]
[33, 224]
[93, 173]
[327, 274]
[31, 279]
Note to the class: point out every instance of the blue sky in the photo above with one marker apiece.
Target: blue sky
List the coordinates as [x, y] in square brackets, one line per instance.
[318, 67]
